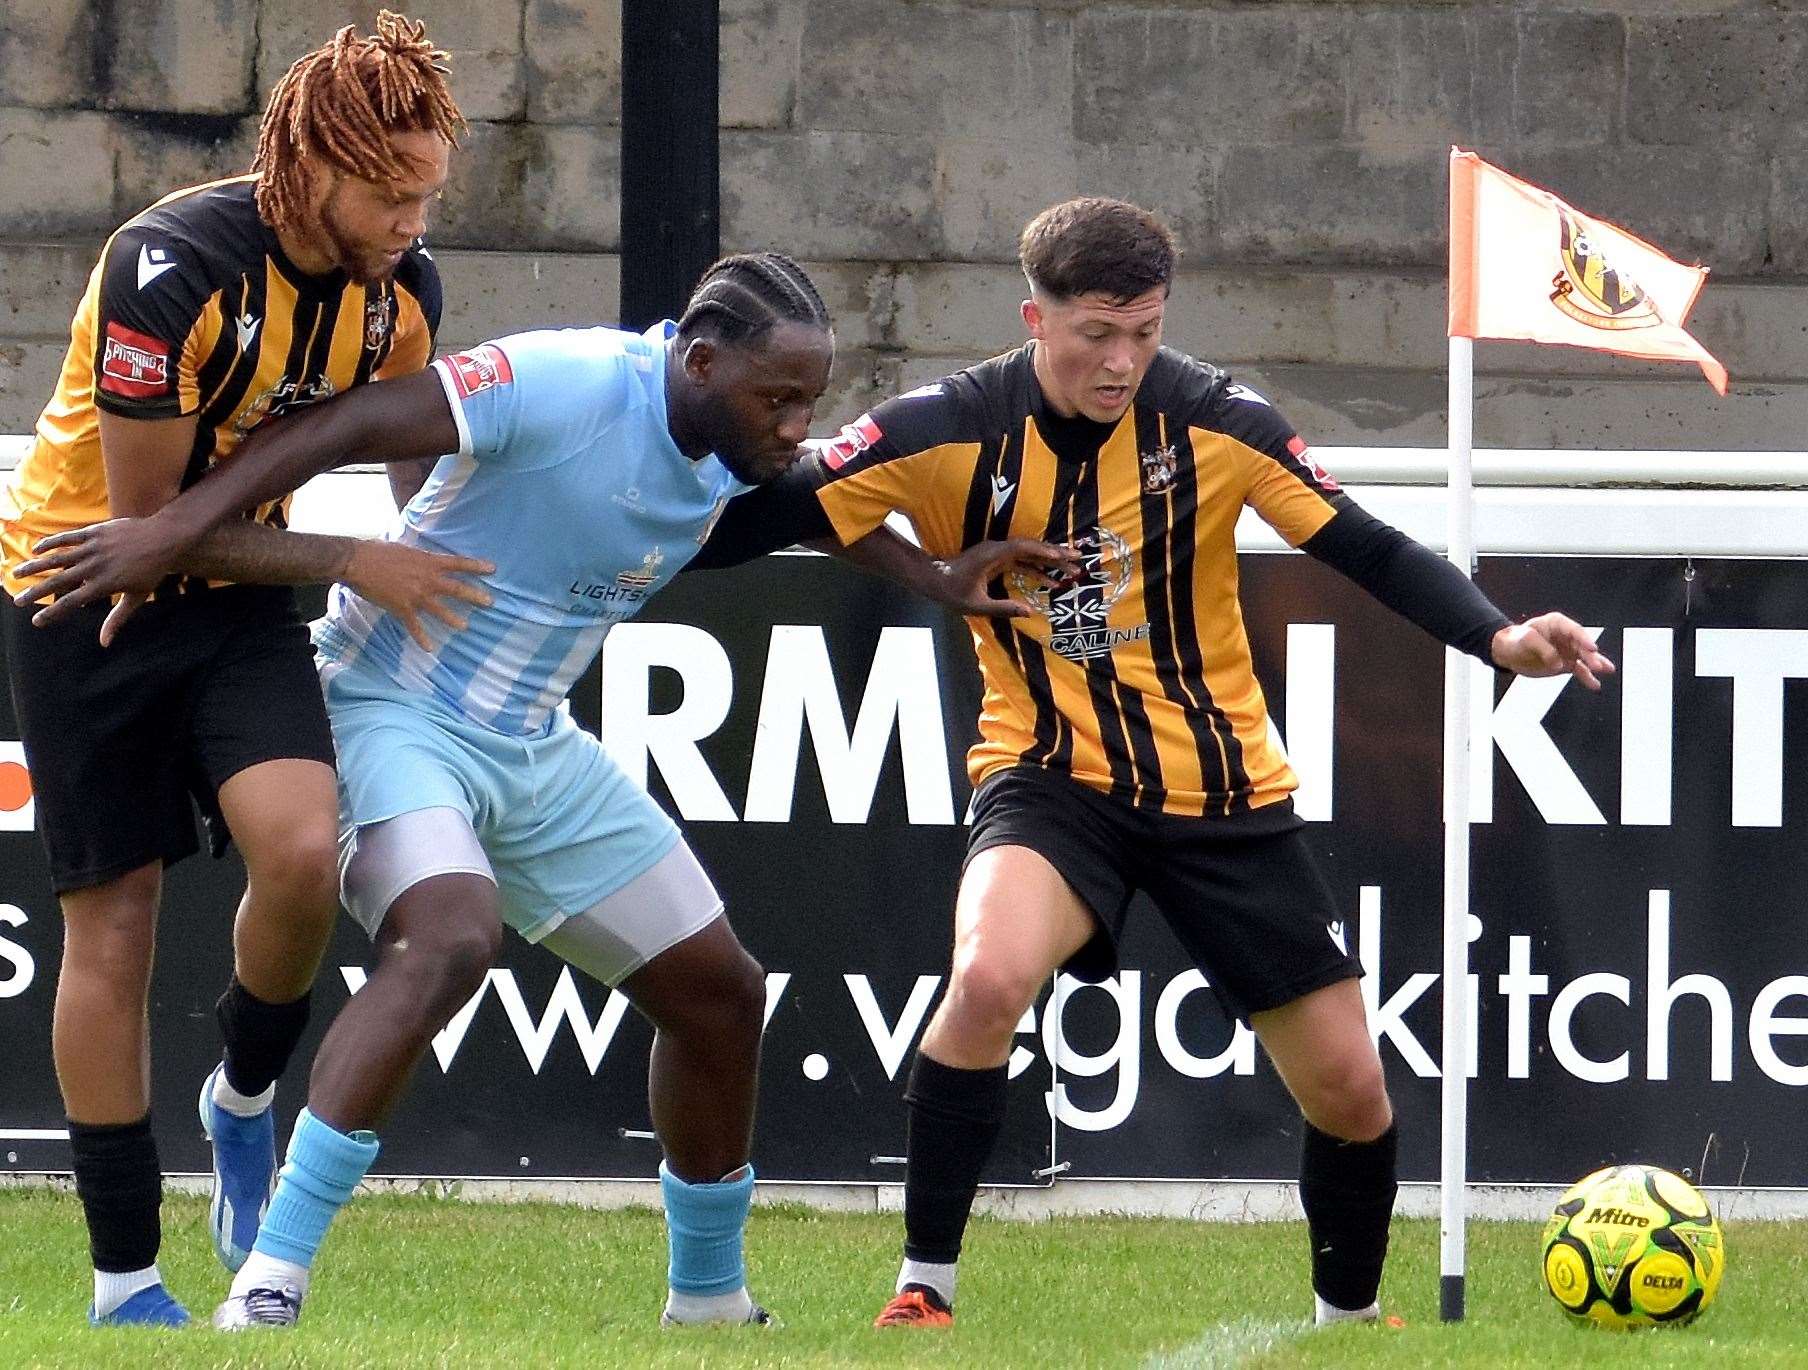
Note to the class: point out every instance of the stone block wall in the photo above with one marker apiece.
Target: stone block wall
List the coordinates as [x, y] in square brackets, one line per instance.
[897, 146]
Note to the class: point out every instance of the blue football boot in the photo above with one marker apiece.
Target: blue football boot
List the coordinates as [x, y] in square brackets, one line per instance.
[244, 1174]
[152, 1307]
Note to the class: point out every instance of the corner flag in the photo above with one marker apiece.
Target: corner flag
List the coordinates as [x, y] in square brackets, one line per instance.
[1525, 265]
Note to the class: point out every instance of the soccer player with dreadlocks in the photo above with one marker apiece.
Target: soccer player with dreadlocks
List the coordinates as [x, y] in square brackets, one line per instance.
[218, 308]
[589, 465]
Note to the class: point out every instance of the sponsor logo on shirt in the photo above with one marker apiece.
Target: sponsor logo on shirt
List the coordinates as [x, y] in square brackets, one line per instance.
[1296, 446]
[610, 594]
[482, 368]
[1078, 612]
[284, 397]
[133, 364]
[853, 439]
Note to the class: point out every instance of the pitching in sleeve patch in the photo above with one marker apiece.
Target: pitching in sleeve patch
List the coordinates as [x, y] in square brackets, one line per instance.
[482, 368]
[1296, 446]
[853, 439]
[133, 365]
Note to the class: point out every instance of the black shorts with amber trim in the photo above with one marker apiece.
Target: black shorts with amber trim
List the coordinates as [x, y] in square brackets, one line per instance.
[1242, 893]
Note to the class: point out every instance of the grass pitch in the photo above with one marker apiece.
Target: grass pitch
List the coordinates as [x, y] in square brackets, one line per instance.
[416, 1281]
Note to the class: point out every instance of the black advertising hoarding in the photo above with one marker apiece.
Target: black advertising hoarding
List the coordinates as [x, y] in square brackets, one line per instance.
[1640, 954]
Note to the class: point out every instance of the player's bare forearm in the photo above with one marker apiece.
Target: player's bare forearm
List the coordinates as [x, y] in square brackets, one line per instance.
[402, 420]
[964, 583]
[257, 554]
[883, 553]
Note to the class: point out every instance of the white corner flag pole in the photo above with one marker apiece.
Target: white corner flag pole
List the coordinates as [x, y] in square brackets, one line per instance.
[1454, 1143]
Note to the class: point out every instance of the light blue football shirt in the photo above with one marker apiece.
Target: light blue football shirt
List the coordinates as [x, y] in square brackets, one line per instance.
[567, 479]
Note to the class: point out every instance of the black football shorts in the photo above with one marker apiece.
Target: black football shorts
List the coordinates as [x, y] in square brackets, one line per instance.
[1242, 893]
[120, 739]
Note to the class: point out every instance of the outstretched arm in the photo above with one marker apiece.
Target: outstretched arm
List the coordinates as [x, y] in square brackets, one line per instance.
[965, 582]
[405, 419]
[787, 512]
[1425, 589]
[400, 420]
[407, 581]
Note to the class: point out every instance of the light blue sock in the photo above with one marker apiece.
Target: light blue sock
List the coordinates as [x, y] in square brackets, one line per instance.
[323, 1168]
[704, 1224]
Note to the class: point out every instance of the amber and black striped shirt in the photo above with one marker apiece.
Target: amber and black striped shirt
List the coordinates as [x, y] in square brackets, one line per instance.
[194, 308]
[1136, 680]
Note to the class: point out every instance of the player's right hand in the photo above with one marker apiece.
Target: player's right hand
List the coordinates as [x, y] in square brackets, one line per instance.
[967, 578]
[409, 582]
[86, 565]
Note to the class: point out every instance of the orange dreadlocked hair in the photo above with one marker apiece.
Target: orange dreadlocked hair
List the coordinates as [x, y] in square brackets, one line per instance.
[339, 104]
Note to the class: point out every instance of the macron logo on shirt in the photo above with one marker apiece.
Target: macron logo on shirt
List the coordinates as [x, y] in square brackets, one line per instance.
[482, 368]
[152, 263]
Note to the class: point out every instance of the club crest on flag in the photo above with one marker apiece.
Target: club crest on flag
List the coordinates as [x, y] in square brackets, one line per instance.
[1525, 265]
[1591, 289]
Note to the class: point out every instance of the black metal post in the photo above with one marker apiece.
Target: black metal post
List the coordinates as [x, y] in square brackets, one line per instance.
[671, 157]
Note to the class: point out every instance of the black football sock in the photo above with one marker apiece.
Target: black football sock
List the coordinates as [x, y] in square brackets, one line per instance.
[120, 1185]
[1347, 1190]
[259, 1036]
[955, 1118]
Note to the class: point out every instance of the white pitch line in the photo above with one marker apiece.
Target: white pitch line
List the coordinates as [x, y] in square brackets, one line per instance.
[1225, 1346]
[34, 1134]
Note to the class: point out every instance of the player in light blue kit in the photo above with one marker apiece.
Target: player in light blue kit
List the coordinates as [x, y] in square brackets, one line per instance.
[589, 466]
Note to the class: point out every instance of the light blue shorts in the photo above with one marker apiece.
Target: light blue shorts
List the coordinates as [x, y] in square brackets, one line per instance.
[562, 827]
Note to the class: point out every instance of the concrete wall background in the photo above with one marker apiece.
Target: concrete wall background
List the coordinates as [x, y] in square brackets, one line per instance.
[897, 146]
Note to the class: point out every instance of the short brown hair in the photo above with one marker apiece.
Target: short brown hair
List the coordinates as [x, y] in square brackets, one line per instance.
[1095, 244]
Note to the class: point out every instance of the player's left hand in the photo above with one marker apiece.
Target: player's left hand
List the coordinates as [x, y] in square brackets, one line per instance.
[410, 582]
[966, 579]
[1550, 645]
[87, 565]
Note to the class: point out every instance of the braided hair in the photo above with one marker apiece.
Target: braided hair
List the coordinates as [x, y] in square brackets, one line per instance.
[339, 104]
[745, 296]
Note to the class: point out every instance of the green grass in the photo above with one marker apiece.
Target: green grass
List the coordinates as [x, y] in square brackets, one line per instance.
[415, 1281]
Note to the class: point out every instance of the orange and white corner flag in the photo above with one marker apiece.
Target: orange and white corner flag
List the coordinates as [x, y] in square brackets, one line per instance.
[1524, 265]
